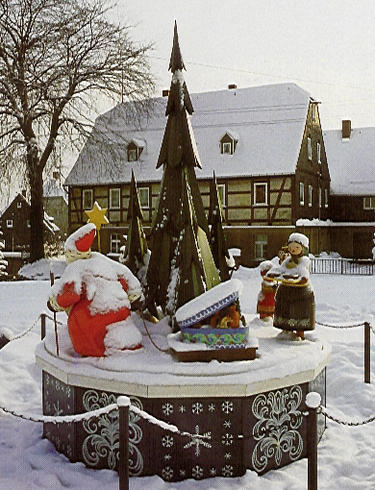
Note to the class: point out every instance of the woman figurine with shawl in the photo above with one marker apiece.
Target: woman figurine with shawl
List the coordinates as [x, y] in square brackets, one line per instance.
[294, 301]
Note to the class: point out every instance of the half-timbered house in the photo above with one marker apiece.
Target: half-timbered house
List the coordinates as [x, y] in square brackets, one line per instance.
[264, 144]
[350, 153]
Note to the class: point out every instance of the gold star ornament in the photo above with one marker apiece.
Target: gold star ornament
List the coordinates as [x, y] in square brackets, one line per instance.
[97, 216]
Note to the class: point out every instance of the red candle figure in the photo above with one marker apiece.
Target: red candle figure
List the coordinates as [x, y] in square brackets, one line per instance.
[97, 293]
[266, 296]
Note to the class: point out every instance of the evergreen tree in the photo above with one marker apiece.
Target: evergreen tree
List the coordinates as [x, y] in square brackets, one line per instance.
[136, 254]
[181, 265]
[217, 238]
[3, 262]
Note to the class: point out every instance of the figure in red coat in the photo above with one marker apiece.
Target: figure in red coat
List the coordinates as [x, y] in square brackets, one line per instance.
[266, 296]
[97, 293]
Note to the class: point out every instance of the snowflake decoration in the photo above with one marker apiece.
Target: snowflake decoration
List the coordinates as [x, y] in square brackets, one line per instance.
[57, 410]
[227, 439]
[167, 473]
[182, 473]
[227, 407]
[182, 409]
[167, 457]
[227, 424]
[211, 408]
[213, 471]
[227, 456]
[197, 408]
[197, 472]
[198, 441]
[167, 441]
[227, 470]
[167, 409]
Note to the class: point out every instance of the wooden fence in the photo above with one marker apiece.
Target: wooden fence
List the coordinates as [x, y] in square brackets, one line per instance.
[363, 267]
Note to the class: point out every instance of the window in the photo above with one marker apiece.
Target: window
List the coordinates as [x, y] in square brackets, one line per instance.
[314, 112]
[318, 153]
[309, 148]
[19, 205]
[132, 155]
[310, 195]
[221, 190]
[87, 198]
[326, 198]
[260, 251]
[134, 150]
[369, 202]
[9, 223]
[228, 143]
[114, 243]
[301, 194]
[260, 193]
[226, 148]
[144, 197]
[320, 197]
[114, 198]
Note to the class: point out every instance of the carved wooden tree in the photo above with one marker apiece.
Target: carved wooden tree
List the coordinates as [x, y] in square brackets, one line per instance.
[136, 244]
[181, 265]
[216, 236]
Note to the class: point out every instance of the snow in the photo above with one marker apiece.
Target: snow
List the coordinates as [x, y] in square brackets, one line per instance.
[270, 116]
[313, 399]
[100, 276]
[351, 161]
[217, 294]
[345, 454]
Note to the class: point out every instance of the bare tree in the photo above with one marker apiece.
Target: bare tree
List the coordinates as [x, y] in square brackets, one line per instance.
[55, 58]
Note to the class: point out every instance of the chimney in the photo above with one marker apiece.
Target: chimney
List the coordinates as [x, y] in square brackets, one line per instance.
[232, 86]
[165, 93]
[346, 129]
[23, 192]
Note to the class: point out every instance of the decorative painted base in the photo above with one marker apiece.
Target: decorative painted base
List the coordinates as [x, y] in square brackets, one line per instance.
[261, 432]
[216, 337]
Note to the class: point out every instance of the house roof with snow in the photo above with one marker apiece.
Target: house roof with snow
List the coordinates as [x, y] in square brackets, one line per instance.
[53, 189]
[268, 122]
[351, 161]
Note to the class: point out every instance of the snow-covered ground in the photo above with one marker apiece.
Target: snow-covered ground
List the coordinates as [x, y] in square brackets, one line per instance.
[346, 455]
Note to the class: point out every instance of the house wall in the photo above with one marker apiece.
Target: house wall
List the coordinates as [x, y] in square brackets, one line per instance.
[345, 208]
[310, 172]
[57, 207]
[17, 237]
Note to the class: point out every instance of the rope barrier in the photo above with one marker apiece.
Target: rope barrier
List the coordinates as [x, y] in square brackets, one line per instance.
[58, 419]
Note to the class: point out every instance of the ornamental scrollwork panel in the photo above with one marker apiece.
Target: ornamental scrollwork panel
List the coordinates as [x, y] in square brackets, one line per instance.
[276, 431]
[102, 439]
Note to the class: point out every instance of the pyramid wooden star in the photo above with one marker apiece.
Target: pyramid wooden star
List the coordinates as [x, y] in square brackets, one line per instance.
[97, 216]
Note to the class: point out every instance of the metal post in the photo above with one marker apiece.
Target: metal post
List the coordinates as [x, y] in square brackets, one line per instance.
[313, 402]
[42, 326]
[367, 352]
[123, 403]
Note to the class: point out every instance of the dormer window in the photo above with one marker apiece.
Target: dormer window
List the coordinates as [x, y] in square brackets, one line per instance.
[134, 150]
[228, 143]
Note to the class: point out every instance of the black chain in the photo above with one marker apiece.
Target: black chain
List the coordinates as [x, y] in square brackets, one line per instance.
[340, 326]
[25, 332]
[53, 319]
[323, 410]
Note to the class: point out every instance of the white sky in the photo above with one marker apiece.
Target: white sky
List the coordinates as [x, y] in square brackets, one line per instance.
[325, 46]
